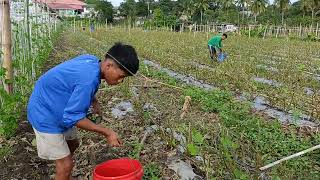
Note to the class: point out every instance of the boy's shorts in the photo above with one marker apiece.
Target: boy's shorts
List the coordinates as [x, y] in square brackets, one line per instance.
[54, 146]
[212, 49]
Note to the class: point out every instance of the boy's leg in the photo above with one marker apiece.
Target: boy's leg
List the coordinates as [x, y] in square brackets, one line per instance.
[214, 52]
[71, 137]
[64, 168]
[56, 147]
[210, 51]
[73, 145]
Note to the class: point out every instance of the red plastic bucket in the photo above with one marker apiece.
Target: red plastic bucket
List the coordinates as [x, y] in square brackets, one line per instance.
[119, 169]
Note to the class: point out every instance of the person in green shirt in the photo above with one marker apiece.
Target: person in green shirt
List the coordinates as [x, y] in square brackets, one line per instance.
[215, 44]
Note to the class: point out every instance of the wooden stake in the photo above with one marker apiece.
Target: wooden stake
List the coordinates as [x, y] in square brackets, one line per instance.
[186, 106]
[6, 45]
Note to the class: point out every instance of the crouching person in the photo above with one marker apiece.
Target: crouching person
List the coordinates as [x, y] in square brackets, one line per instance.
[62, 96]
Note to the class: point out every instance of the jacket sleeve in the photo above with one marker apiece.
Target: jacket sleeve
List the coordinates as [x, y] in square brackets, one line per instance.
[78, 105]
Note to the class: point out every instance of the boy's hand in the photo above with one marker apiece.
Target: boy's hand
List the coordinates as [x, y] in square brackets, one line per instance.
[111, 136]
[113, 139]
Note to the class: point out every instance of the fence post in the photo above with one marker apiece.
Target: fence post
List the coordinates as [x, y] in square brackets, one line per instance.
[300, 30]
[277, 32]
[265, 31]
[249, 31]
[6, 45]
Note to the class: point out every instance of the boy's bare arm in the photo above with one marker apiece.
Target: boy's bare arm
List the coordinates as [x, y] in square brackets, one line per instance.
[111, 136]
[96, 107]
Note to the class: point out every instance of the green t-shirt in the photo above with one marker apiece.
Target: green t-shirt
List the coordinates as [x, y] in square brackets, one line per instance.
[216, 41]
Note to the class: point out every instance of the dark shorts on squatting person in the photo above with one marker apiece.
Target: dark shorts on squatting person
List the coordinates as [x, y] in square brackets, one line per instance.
[212, 50]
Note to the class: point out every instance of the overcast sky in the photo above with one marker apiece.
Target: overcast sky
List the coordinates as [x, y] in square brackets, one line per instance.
[117, 2]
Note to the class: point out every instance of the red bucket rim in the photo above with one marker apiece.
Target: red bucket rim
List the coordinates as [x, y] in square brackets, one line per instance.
[137, 166]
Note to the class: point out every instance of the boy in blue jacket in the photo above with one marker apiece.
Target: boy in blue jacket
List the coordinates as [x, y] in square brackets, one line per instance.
[62, 96]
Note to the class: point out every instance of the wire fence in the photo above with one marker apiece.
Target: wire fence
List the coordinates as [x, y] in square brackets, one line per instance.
[32, 26]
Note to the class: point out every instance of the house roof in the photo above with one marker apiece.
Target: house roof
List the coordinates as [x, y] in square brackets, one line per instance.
[63, 4]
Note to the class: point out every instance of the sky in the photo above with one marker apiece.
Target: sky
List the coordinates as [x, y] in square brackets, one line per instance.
[117, 2]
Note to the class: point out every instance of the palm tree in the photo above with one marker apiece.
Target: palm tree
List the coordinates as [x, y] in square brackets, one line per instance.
[283, 5]
[304, 6]
[201, 5]
[243, 4]
[226, 4]
[257, 7]
[311, 5]
[187, 7]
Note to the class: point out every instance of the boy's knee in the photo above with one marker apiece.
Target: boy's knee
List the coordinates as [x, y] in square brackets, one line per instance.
[64, 166]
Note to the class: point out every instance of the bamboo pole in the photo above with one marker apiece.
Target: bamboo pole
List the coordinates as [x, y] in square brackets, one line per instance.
[289, 157]
[55, 24]
[6, 45]
[106, 24]
[74, 25]
[317, 29]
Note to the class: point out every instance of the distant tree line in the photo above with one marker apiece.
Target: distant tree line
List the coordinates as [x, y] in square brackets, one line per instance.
[241, 12]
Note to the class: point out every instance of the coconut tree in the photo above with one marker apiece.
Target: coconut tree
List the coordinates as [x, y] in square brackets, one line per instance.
[304, 6]
[312, 6]
[226, 4]
[201, 5]
[283, 5]
[186, 7]
[257, 7]
[243, 4]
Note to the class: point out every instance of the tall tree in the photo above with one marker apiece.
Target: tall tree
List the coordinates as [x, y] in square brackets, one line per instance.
[226, 4]
[283, 5]
[103, 8]
[166, 6]
[186, 7]
[304, 6]
[257, 7]
[142, 8]
[312, 6]
[201, 5]
[244, 5]
[128, 9]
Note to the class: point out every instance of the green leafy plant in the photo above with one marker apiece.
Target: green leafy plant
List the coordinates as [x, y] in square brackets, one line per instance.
[152, 172]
